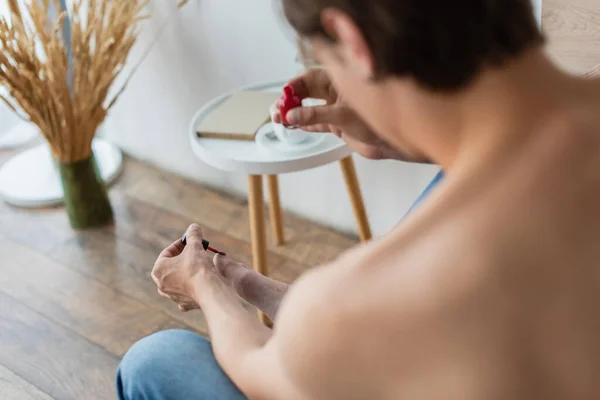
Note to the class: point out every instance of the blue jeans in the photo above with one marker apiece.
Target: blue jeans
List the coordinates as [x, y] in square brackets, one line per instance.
[173, 365]
[180, 365]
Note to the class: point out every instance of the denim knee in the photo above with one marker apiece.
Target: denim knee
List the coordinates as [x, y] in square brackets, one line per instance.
[173, 364]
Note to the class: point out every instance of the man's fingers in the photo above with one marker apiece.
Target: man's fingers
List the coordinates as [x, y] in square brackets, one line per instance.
[300, 86]
[173, 250]
[319, 128]
[155, 279]
[221, 262]
[310, 128]
[307, 116]
[316, 84]
[194, 235]
[183, 307]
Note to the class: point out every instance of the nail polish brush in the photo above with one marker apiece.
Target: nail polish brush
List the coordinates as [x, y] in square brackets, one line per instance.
[205, 244]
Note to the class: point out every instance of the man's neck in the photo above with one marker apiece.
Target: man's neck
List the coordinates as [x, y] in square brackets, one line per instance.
[499, 109]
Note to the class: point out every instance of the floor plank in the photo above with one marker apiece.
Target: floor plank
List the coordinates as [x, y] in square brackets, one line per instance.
[124, 267]
[13, 387]
[95, 311]
[39, 230]
[59, 362]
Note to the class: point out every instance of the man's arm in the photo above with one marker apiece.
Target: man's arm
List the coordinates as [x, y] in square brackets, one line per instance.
[262, 292]
[314, 351]
[309, 354]
[236, 333]
[301, 352]
[186, 274]
[245, 349]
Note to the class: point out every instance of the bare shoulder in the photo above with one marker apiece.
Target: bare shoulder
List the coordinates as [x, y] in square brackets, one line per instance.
[357, 327]
[324, 337]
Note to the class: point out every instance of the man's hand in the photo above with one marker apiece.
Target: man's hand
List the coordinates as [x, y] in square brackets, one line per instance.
[338, 118]
[180, 268]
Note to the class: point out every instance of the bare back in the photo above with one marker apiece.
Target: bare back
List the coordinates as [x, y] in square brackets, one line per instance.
[490, 291]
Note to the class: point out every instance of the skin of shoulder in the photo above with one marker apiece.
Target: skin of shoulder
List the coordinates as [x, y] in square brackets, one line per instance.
[447, 305]
[378, 320]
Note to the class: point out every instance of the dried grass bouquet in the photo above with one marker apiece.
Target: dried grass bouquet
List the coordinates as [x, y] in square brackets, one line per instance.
[59, 71]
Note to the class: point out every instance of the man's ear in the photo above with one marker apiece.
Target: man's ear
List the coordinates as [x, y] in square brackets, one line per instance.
[351, 43]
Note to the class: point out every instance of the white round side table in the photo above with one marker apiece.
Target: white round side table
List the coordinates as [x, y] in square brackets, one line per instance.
[18, 136]
[13, 132]
[256, 161]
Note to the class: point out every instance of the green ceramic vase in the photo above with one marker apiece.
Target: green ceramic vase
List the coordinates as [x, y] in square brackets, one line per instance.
[85, 194]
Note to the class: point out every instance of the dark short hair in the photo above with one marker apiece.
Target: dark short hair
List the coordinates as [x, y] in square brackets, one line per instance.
[442, 44]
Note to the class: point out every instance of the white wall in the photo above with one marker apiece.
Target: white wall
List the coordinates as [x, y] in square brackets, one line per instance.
[214, 46]
[537, 9]
[7, 117]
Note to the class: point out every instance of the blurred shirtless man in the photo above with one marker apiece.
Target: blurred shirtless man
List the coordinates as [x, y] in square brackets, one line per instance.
[489, 290]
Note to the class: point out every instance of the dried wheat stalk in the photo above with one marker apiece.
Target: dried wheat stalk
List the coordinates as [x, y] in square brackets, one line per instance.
[68, 105]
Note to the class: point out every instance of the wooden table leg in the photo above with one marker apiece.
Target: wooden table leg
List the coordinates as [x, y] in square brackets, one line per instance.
[356, 198]
[256, 207]
[275, 210]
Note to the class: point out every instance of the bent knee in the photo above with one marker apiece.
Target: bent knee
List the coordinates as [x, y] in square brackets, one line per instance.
[153, 364]
[172, 364]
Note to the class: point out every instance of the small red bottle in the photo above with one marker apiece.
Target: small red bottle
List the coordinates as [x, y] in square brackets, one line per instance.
[288, 101]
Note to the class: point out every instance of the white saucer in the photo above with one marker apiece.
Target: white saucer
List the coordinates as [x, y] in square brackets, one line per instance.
[30, 179]
[266, 139]
[19, 135]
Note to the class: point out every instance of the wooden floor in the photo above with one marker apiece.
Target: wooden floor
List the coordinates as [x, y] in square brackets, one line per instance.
[72, 303]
